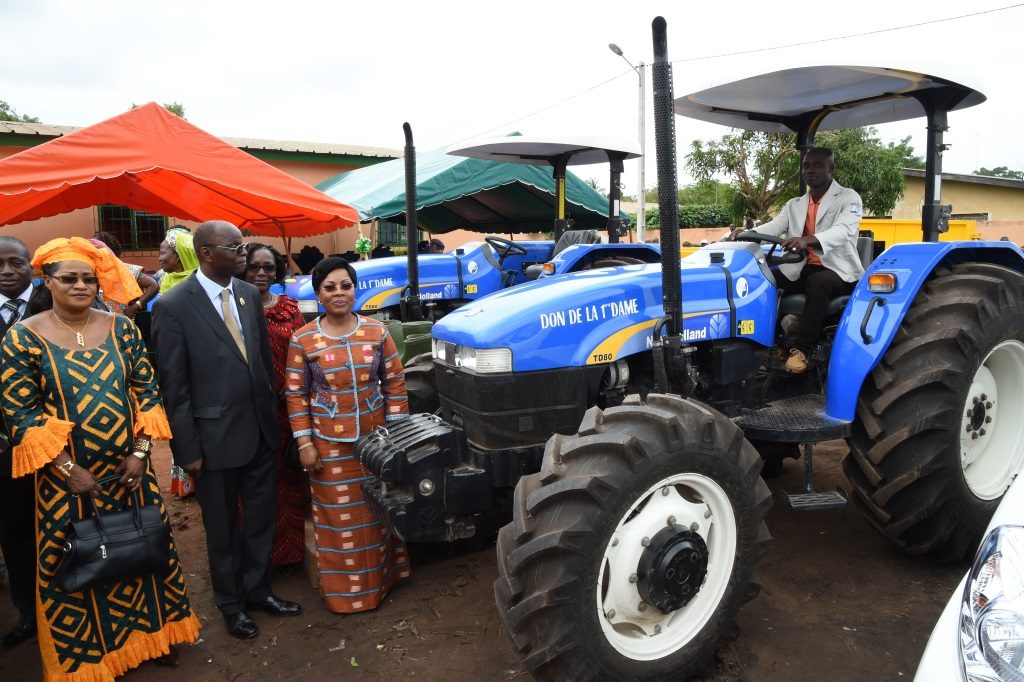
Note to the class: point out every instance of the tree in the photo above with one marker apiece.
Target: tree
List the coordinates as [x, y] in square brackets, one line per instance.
[7, 113]
[1000, 172]
[764, 167]
[174, 107]
[756, 162]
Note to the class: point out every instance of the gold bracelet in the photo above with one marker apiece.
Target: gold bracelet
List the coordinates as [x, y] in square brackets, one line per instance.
[66, 468]
[143, 445]
[305, 445]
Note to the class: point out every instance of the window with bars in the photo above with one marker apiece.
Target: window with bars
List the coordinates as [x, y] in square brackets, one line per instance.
[390, 234]
[138, 230]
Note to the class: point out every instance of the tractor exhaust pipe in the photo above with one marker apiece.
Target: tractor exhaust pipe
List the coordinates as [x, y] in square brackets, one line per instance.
[665, 147]
[410, 303]
[667, 354]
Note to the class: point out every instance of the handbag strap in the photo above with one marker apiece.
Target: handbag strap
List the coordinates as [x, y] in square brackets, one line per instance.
[136, 506]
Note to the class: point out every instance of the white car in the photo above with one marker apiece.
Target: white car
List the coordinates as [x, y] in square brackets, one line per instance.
[980, 634]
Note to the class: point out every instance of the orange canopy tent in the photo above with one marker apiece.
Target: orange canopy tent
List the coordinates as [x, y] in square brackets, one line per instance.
[151, 160]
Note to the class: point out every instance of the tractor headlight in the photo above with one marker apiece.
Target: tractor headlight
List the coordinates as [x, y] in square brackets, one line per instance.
[483, 360]
[308, 306]
[992, 613]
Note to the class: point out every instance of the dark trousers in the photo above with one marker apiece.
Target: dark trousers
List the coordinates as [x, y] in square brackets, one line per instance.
[18, 538]
[819, 285]
[239, 550]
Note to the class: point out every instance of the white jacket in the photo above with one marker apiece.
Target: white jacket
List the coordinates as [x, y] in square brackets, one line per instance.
[836, 227]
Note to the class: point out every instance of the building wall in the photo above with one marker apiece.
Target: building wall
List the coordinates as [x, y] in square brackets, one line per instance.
[1004, 205]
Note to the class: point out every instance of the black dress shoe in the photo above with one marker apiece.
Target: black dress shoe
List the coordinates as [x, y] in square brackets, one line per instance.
[240, 625]
[22, 632]
[276, 607]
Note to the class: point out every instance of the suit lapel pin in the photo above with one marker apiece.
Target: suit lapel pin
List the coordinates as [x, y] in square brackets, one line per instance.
[241, 301]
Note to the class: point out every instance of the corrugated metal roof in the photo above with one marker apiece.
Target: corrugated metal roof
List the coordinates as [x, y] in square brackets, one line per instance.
[47, 130]
[974, 179]
[41, 129]
[312, 147]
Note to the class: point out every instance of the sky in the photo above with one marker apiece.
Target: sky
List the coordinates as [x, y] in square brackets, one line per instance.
[352, 73]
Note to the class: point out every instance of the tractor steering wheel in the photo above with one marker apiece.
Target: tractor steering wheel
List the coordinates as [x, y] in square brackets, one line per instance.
[504, 247]
[776, 242]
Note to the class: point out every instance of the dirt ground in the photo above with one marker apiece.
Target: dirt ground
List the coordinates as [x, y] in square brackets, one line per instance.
[838, 603]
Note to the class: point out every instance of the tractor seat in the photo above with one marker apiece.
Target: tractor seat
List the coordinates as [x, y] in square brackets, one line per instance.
[794, 303]
[568, 238]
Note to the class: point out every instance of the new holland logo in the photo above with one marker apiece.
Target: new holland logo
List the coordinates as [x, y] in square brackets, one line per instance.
[695, 334]
[742, 287]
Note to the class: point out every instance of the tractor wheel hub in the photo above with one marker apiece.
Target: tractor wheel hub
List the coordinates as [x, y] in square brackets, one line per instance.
[672, 568]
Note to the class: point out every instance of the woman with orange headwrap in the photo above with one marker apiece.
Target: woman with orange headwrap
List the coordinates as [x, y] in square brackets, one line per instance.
[81, 402]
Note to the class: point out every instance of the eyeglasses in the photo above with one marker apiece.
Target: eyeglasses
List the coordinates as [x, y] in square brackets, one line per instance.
[239, 250]
[69, 280]
[331, 286]
[265, 267]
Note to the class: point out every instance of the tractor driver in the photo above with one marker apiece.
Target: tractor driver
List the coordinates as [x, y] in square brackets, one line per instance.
[821, 225]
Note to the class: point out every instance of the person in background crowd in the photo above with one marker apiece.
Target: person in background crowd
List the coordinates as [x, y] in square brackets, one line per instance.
[436, 246]
[218, 381]
[423, 247]
[150, 287]
[264, 267]
[17, 495]
[345, 379]
[178, 260]
[66, 445]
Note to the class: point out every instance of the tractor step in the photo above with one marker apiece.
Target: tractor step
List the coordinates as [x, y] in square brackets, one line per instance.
[817, 500]
[792, 420]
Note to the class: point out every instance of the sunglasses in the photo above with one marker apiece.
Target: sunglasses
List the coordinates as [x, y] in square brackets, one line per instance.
[265, 267]
[331, 286]
[239, 250]
[69, 280]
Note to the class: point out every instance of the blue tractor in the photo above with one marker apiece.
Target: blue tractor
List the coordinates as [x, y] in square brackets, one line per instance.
[487, 186]
[630, 407]
[467, 273]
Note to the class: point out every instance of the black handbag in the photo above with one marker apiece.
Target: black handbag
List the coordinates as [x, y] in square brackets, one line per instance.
[112, 546]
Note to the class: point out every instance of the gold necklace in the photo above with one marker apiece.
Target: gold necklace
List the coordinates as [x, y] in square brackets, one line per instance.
[78, 334]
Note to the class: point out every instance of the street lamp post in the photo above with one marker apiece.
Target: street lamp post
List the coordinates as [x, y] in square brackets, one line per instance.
[641, 216]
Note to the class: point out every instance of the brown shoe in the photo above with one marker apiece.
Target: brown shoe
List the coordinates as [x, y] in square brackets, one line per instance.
[797, 362]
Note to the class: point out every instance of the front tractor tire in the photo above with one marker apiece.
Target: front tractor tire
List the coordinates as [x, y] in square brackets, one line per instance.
[632, 551]
[939, 432]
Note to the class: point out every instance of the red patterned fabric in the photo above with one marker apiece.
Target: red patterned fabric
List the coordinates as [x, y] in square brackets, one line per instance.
[283, 318]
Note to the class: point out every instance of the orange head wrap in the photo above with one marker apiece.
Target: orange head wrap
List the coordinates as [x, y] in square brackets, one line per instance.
[115, 278]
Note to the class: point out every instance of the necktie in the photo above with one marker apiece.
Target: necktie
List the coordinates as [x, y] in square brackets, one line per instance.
[232, 324]
[12, 308]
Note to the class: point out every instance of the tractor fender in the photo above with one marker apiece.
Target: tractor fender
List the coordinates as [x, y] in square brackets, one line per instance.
[871, 319]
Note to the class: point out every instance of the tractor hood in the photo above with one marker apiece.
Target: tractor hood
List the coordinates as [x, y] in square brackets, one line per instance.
[602, 315]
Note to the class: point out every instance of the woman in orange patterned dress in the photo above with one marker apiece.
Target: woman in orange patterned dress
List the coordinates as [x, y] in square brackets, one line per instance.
[344, 379]
[265, 266]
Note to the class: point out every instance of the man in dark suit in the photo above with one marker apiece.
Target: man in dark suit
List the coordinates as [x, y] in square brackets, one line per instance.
[217, 383]
[17, 495]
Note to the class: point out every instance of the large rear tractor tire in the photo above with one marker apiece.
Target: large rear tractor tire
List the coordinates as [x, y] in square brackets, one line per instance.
[420, 385]
[632, 551]
[939, 432]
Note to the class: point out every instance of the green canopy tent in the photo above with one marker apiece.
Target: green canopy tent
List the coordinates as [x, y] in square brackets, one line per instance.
[454, 192]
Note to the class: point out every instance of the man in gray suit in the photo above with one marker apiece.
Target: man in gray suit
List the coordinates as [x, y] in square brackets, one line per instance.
[822, 225]
[217, 383]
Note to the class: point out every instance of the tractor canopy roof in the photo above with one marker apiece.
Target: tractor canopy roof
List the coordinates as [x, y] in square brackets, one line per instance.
[838, 96]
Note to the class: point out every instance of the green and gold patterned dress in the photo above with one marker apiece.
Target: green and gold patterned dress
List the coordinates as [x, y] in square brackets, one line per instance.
[91, 401]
